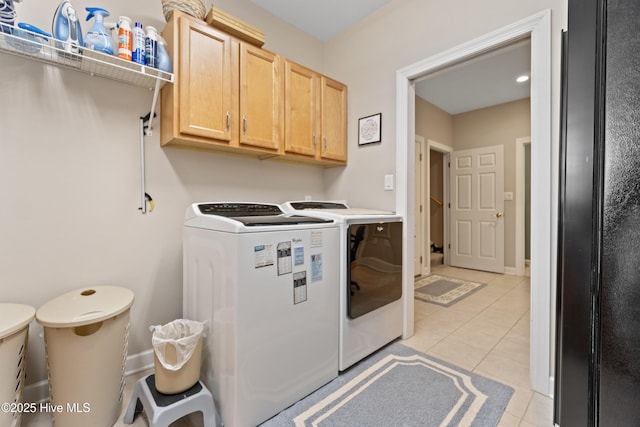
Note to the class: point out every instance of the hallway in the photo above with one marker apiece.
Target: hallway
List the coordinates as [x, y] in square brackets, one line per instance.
[487, 333]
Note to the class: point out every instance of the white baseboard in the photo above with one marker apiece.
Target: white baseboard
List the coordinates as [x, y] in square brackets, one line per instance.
[139, 362]
[511, 271]
[39, 392]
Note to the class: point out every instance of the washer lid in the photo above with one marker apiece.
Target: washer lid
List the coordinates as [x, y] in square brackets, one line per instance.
[239, 209]
[337, 208]
[85, 306]
[14, 317]
[314, 204]
[257, 214]
[262, 221]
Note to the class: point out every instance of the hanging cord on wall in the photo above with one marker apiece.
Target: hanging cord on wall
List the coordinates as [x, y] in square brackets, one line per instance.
[145, 198]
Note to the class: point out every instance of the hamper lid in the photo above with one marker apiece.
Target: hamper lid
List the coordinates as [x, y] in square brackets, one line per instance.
[85, 306]
[14, 317]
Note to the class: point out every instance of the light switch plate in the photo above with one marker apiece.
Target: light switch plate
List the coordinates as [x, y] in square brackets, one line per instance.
[508, 195]
[388, 182]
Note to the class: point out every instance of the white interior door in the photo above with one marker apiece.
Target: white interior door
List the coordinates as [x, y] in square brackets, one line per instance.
[477, 206]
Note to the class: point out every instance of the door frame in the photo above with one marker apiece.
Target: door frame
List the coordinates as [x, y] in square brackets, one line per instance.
[520, 204]
[446, 155]
[426, 146]
[423, 219]
[538, 28]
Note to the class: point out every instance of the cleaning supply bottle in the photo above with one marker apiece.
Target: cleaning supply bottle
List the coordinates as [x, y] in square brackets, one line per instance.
[97, 37]
[151, 47]
[125, 42]
[138, 54]
[164, 61]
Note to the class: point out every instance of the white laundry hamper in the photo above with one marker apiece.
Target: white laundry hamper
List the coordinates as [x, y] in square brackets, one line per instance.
[14, 334]
[86, 338]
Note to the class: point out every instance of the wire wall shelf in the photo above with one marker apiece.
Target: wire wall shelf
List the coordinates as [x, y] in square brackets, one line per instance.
[30, 45]
[27, 44]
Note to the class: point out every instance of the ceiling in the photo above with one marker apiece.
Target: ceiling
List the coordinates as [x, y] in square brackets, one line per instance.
[480, 82]
[323, 19]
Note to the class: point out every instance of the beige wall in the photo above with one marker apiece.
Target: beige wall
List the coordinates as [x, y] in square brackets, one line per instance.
[433, 123]
[70, 178]
[498, 125]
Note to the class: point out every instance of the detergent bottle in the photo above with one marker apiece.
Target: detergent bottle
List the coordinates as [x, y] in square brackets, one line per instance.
[97, 37]
[151, 47]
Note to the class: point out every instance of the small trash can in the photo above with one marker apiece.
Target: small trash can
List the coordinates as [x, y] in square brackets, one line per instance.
[86, 337]
[177, 352]
[14, 334]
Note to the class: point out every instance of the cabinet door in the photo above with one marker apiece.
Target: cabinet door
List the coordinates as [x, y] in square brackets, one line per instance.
[334, 120]
[301, 124]
[260, 98]
[206, 101]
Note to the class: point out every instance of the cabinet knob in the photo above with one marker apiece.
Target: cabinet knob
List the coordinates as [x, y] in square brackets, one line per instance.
[228, 121]
[244, 124]
[314, 141]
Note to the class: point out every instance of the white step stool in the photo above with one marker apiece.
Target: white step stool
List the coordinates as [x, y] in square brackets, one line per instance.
[163, 409]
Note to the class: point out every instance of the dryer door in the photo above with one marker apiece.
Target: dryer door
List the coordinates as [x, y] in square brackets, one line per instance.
[375, 260]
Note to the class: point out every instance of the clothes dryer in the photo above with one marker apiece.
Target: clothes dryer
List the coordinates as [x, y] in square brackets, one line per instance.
[370, 275]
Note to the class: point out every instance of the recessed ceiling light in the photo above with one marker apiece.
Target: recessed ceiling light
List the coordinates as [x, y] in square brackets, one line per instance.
[523, 78]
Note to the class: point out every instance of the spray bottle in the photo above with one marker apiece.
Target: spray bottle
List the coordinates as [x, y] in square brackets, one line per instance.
[125, 38]
[97, 37]
[164, 60]
[138, 52]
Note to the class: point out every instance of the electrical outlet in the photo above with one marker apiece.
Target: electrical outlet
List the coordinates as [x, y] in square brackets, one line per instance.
[307, 197]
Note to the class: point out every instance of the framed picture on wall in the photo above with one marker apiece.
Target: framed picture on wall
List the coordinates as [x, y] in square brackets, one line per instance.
[370, 129]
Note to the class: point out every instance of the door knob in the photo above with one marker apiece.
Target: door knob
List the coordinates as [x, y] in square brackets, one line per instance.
[499, 215]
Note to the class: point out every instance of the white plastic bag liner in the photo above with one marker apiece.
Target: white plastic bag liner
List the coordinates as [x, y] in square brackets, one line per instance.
[183, 334]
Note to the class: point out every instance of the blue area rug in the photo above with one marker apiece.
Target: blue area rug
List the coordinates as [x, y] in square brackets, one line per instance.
[444, 291]
[399, 386]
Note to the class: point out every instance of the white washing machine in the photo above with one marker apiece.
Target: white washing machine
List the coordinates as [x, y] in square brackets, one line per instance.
[267, 284]
[370, 275]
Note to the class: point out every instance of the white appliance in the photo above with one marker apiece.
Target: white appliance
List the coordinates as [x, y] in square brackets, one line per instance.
[370, 275]
[267, 284]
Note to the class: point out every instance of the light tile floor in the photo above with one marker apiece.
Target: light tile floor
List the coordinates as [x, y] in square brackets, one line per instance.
[486, 333]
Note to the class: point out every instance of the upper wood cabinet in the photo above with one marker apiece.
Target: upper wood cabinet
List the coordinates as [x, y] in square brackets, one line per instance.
[260, 98]
[333, 120]
[230, 95]
[197, 109]
[315, 115]
[302, 126]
